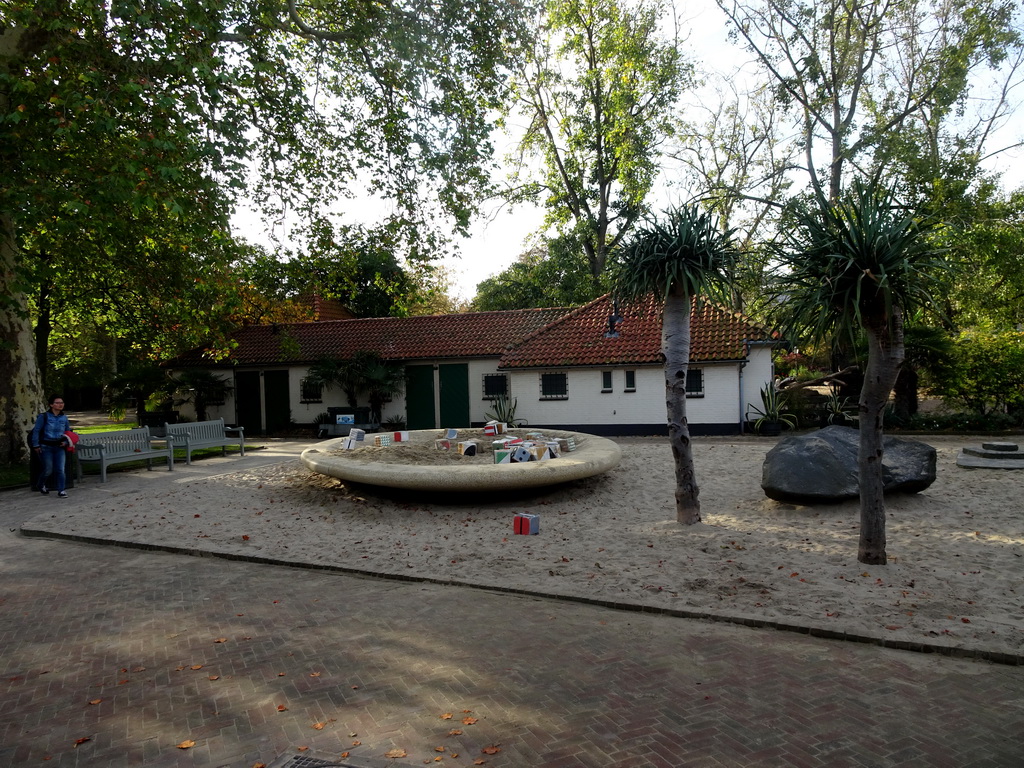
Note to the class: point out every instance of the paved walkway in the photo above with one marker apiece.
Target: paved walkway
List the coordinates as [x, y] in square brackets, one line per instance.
[113, 657]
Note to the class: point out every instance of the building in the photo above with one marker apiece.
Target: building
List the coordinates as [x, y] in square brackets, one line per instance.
[596, 368]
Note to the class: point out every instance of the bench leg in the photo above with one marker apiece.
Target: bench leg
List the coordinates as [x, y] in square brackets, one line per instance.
[103, 471]
[170, 460]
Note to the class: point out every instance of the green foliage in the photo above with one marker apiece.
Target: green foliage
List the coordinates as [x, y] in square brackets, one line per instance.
[683, 252]
[985, 372]
[200, 387]
[558, 278]
[503, 409]
[851, 263]
[597, 92]
[365, 372]
[772, 410]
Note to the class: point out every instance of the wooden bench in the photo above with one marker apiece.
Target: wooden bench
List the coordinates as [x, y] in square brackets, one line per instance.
[106, 448]
[204, 434]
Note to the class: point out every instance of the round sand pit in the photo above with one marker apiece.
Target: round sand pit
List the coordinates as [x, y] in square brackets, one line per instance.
[418, 465]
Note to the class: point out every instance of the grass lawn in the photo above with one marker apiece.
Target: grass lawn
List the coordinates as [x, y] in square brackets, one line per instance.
[13, 475]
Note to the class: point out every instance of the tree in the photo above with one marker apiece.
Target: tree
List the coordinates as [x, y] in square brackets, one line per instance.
[862, 74]
[153, 109]
[860, 265]
[555, 276]
[200, 387]
[365, 371]
[682, 259]
[597, 90]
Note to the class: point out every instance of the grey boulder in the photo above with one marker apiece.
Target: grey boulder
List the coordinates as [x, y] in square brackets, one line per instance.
[822, 466]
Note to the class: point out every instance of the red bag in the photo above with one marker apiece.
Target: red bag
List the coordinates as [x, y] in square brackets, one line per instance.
[71, 439]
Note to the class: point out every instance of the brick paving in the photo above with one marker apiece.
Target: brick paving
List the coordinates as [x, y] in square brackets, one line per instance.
[112, 657]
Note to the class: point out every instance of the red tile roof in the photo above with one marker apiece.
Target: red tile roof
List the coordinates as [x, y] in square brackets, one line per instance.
[475, 334]
[578, 339]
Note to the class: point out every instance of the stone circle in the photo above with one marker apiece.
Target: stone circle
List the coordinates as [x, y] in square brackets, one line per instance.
[593, 456]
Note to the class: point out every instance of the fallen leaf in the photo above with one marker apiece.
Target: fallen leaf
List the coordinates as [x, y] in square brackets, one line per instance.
[302, 749]
[357, 743]
[314, 674]
[491, 750]
[469, 720]
[319, 726]
[966, 621]
[454, 732]
[221, 640]
[96, 701]
[196, 666]
[393, 753]
[82, 740]
[447, 716]
[282, 708]
[439, 749]
[344, 755]
[479, 761]
[259, 765]
[245, 538]
[213, 677]
[187, 744]
[139, 669]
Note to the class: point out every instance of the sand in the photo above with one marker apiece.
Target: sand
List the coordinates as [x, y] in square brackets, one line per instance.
[955, 576]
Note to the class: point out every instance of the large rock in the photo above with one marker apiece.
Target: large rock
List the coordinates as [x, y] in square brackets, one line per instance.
[822, 466]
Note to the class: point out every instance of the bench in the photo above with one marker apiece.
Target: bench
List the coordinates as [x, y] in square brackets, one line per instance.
[204, 434]
[106, 448]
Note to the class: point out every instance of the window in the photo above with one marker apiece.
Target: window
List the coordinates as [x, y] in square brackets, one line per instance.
[694, 382]
[606, 381]
[495, 385]
[630, 381]
[312, 391]
[554, 386]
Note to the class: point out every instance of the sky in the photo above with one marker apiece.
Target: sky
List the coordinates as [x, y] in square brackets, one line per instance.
[500, 233]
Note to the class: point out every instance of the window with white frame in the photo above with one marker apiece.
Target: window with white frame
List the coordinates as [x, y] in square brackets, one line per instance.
[630, 381]
[495, 385]
[694, 382]
[554, 386]
[606, 381]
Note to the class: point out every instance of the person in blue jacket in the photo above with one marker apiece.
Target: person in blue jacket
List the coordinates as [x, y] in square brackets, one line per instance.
[47, 439]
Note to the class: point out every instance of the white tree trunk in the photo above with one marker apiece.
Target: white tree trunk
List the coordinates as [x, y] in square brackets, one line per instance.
[20, 381]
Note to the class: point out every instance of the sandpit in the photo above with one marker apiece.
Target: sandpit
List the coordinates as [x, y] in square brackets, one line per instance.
[418, 465]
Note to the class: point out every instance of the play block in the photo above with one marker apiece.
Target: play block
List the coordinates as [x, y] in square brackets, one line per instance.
[553, 448]
[502, 456]
[348, 444]
[450, 434]
[526, 524]
[359, 435]
[443, 445]
[467, 447]
[521, 455]
[492, 428]
[400, 437]
[539, 452]
[382, 440]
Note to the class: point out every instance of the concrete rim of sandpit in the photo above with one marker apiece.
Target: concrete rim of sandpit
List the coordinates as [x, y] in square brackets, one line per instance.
[594, 456]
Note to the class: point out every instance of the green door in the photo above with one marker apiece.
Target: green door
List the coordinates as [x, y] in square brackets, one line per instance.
[275, 395]
[419, 397]
[248, 408]
[454, 380]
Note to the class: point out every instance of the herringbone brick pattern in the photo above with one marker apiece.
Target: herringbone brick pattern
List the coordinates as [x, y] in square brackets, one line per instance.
[139, 652]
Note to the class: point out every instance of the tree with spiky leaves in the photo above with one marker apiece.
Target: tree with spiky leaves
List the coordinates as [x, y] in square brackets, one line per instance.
[684, 258]
[860, 265]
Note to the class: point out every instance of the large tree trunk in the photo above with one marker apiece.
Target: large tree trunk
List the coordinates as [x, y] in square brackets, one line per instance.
[885, 356]
[19, 384]
[675, 345]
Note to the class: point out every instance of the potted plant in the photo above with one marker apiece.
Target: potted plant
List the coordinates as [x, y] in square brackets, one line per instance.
[837, 411]
[771, 416]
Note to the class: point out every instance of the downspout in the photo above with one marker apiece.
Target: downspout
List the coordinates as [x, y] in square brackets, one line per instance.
[743, 364]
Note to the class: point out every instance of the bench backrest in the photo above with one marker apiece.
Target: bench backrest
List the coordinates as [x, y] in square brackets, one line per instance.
[198, 430]
[120, 441]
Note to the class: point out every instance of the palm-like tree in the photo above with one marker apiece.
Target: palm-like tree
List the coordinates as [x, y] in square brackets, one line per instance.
[860, 264]
[682, 259]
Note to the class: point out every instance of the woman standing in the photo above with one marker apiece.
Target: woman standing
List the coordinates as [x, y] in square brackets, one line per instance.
[48, 441]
